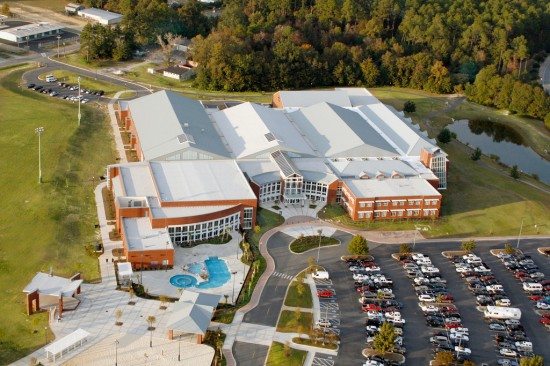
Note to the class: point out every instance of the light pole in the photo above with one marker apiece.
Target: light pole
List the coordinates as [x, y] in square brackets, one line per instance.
[39, 131]
[179, 348]
[320, 231]
[519, 235]
[233, 294]
[414, 239]
[79, 115]
[116, 352]
[58, 39]
[46, 334]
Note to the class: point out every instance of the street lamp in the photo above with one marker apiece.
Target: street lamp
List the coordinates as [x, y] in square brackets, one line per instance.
[46, 333]
[414, 239]
[79, 115]
[116, 352]
[58, 39]
[320, 231]
[233, 294]
[519, 235]
[39, 131]
[179, 348]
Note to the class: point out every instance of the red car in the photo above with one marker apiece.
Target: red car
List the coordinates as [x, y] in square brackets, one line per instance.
[325, 293]
[371, 307]
[520, 274]
[362, 289]
[453, 325]
[545, 320]
[535, 297]
[445, 298]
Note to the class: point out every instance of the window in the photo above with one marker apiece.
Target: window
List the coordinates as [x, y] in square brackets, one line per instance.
[247, 219]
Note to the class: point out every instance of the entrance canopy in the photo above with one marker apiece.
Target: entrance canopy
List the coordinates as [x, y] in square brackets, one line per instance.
[47, 284]
[65, 344]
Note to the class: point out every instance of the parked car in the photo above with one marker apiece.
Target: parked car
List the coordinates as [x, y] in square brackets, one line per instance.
[31, 85]
[325, 293]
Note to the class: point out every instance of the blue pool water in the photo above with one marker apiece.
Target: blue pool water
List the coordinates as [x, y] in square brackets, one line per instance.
[218, 274]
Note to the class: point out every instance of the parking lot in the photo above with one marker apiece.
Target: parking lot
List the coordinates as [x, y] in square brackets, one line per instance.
[68, 92]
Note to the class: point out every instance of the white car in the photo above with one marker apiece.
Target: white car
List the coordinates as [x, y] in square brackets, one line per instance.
[393, 315]
[512, 322]
[400, 321]
[360, 277]
[508, 352]
[503, 302]
[429, 269]
[460, 330]
[410, 266]
[481, 270]
[463, 269]
[542, 305]
[421, 281]
[532, 286]
[424, 262]
[323, 323]
[355, 268]
[494, 288]
[385, 290]
[464, 350]
[524, 345]
[459, 337]
[417, 256]
[373, 363]
[429, 308]
[426, 298]
[371, 269]
[50, 79]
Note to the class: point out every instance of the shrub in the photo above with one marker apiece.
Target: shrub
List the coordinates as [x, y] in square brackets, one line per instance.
[405, 248]
[358, 246]
[468, 245]
[476, 155]
[409, 107]
[514, 172]
[444, 136]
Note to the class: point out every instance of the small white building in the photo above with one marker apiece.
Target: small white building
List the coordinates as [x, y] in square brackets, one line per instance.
[72, 8]
[30, 32]
[178, 72]
[100, 16]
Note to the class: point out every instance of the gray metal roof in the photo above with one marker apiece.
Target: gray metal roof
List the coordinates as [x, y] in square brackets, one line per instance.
[400, 187]
[284, 163]
[32, 29]
[167, 122]
[370, 168]
[100, 13]
[340, 132]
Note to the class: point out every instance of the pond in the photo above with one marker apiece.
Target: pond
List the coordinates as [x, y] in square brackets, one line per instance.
[503, 141]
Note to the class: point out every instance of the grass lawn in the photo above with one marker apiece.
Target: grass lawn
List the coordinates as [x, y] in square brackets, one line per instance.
[85, 82]
[277, 356]
[304, 243]
[140, 74]
[55, 5]
[47, 225]
[480, 201]
[289, 324]
[77, 60]
[293, 298]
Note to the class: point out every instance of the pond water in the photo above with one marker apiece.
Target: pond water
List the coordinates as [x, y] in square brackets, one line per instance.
[503, 141]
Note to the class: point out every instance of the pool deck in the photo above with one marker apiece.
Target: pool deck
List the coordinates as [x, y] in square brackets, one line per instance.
[158, 282]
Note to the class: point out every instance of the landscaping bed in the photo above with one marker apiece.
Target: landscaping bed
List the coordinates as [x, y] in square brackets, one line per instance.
[305, 243]
[315, 343]
[294, 298]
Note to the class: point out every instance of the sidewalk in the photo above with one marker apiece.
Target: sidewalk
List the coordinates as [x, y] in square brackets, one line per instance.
[116, 130]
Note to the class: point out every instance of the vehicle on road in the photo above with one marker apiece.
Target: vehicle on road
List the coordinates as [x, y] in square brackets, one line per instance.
[50, 79]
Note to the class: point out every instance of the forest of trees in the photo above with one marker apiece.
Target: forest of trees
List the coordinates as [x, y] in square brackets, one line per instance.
[435, 45]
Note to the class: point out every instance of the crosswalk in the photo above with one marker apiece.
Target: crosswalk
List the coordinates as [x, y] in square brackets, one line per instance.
[282, 275]
[322, 361]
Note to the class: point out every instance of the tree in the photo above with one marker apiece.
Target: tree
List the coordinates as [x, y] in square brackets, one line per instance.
[246, 251]
[163, 300]
[476, 155]
[547, 120]
[118, 316]
[257, 229]
[358, 246]
[444, 136]
[370, 72]
[167, 45]
[439, 80]
[531, 361]
[404, 248]
[5, 9]
[514, 172]
[409, 106]
[468, 245]
[151, 321]
[508, 249]
[443, 358]
[384, 340]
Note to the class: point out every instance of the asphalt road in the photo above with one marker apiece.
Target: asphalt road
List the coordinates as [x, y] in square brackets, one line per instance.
[416, 332]
[248, 354]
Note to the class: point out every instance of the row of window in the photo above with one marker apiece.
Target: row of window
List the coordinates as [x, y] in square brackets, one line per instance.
[395, 213]
[204, 230]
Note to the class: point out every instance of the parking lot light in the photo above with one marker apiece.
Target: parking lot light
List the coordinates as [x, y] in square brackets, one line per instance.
[79, 115]
[320, 231]
[39, 131]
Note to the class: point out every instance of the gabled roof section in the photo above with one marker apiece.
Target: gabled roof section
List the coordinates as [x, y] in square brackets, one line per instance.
[167, 122]
[286, 166]
[306, 98]
[340, 132]
[395, 129]
[251, 130]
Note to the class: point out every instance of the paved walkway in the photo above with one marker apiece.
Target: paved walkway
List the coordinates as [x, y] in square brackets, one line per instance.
[115, 129]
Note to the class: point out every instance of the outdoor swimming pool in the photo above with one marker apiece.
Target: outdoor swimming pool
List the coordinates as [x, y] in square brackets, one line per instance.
[218, 274]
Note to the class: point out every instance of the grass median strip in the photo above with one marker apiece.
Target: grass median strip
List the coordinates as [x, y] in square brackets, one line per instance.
[283, 355]
[299, 295]
[305, 243]
[292, 321]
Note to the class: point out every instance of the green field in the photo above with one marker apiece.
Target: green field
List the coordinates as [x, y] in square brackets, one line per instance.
[288, 323]
[481, 200]
[277, 356]
[47, 225]
[293, 297]
[86, 83]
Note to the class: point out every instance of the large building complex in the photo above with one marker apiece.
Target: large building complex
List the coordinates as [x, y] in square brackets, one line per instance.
[341, 146]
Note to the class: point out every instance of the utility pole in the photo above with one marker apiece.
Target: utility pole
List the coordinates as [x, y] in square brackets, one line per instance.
[39, 131]
[320, 231]
[519, 235]
[79, 115]
[233, 293]
[58, 39]
[116, 352]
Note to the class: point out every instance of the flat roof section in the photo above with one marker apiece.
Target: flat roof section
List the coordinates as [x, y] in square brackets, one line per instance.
[141, 236]
[99, 13]
[306, 98]
[200, 180]
[399, 187]
[31, 29]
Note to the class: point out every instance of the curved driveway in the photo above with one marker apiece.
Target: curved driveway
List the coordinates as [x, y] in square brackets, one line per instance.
[351, 319]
